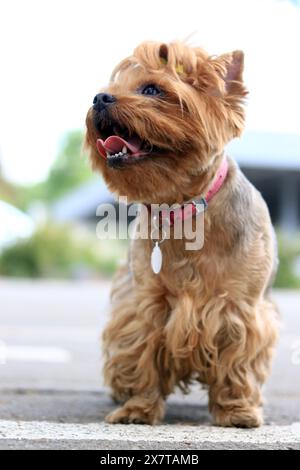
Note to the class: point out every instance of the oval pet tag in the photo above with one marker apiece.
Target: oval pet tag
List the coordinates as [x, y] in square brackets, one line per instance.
[156, 259]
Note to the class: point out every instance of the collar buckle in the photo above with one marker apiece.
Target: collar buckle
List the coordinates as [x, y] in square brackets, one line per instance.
[200, 202]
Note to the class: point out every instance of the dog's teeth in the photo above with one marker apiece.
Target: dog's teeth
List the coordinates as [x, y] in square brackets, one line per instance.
[114, 155]
[124, 149]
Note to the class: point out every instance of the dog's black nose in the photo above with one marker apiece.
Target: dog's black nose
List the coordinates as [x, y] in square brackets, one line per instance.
[102, 100]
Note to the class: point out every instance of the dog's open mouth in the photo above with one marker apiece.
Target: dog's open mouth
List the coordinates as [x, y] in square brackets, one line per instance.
[119, 147]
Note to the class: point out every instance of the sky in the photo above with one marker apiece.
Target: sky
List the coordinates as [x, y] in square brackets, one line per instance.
[55, 55]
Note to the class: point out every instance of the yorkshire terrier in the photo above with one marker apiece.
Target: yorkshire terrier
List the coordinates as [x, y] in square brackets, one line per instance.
[157, 134]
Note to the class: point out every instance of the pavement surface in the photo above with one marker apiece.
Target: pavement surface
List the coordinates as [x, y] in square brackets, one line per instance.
[51, 390]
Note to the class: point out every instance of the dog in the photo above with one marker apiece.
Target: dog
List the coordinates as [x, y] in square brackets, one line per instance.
[157, 135]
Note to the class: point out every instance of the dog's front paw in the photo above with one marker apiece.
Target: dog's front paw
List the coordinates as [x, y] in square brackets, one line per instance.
[239, 417]
[138, 411]
[124, 415]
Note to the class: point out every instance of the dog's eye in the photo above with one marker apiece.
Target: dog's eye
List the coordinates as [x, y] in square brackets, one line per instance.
[152, 90]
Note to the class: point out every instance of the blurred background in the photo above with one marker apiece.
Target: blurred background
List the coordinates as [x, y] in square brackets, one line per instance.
[54, 57]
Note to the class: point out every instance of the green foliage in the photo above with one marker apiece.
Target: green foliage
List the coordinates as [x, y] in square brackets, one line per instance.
[289, 255]
[57, 252]
[8, 191]
[69, 170]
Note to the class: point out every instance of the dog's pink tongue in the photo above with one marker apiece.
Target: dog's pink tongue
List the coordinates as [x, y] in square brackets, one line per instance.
[115, 144]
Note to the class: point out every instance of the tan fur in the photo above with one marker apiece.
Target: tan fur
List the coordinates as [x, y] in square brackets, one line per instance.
[207, 316]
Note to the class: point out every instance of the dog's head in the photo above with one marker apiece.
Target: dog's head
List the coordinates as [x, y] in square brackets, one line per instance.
[165, 115]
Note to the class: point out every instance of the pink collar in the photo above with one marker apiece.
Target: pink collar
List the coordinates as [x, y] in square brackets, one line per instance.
[191, 208]
[218, 180]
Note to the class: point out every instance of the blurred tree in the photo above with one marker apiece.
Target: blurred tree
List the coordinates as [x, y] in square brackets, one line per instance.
[69, 170]
[8, 191]
[58, 251]
[288, 275]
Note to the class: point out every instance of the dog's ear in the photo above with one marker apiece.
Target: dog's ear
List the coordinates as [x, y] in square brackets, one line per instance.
[234, 70]
[231, 67]
[163, 53]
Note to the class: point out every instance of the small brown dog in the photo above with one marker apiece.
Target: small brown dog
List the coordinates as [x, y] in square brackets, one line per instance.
[157, 134]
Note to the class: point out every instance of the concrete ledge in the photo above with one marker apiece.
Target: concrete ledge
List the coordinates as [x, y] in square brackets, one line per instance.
[44, 434]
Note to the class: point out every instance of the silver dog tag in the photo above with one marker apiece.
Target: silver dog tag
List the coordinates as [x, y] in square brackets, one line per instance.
[156, 259]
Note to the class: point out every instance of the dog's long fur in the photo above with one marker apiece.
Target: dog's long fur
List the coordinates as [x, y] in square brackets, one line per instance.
[207, 316]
